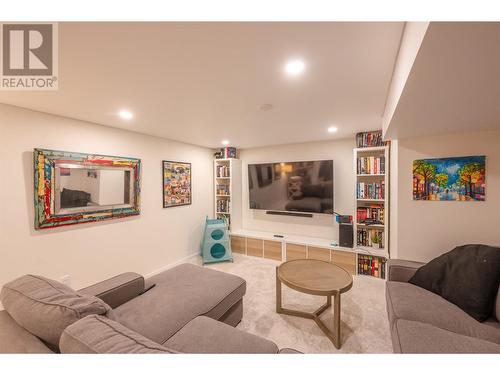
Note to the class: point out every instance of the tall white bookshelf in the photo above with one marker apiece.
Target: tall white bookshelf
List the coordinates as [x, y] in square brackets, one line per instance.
[372, 198]
[227, 191]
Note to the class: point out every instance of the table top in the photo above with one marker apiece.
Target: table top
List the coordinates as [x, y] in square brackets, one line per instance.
[315, 277]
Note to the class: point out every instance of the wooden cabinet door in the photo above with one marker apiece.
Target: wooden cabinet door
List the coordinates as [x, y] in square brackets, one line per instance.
[272, 250]
[346, 260]
[238, 244]
[255, 247]
[294, 251]
[318, 253]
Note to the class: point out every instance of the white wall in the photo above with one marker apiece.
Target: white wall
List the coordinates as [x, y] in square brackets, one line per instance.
[111, 187]
[422, 230]
[92, 252]
[344, 192]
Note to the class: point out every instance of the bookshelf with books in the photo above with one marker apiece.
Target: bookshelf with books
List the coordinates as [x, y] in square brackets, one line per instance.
[227, 191]
[372, 265]
[371, 229]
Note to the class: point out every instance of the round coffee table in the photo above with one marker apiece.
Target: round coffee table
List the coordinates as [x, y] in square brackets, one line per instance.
[318, 278]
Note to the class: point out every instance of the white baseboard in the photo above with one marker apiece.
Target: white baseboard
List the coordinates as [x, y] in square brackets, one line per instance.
[171, 265]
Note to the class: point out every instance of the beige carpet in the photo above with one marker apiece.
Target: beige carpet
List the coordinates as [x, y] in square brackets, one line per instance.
[364, 318]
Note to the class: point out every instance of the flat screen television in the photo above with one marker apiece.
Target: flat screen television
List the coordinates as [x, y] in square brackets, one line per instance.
[299, 186]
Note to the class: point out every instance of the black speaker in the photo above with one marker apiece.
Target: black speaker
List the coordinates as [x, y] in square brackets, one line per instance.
[345, 235]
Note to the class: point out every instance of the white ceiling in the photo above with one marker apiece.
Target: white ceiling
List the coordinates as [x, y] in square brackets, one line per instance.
[454, 84]
[203, 82]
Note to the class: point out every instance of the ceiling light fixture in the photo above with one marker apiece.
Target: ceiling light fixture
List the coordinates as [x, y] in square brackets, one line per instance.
[294, 67]
[225, 142]
[332, 129]
[126, 115]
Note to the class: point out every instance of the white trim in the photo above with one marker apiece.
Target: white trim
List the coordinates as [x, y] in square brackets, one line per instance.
[171, 265]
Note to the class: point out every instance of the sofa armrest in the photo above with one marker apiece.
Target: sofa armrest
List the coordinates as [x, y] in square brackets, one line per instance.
[96, 334]
[209, 336]
[117, 290]
[402, 270]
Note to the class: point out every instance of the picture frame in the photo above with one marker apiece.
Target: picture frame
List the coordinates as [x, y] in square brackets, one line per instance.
[461, 178]
[52, 165]
[176, 183]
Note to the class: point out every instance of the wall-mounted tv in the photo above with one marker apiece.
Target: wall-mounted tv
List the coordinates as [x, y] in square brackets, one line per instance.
[299, 186]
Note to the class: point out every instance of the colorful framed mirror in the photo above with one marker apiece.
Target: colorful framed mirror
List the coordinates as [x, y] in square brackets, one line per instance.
[74, 188]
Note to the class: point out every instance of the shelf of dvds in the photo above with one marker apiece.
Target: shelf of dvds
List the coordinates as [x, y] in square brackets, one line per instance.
[227, 191]
[371, 229]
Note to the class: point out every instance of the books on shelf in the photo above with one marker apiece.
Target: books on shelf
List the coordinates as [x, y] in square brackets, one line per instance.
[365, 237]
[371, 165]
[225, 216]
[222, 189]
[373, 190]
[223, 205]
[226, 153]
[222, 171]
[373, 214]
[371, 265]
[369, 139]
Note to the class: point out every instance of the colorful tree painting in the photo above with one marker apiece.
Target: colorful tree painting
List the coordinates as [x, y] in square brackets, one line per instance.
[454, 179]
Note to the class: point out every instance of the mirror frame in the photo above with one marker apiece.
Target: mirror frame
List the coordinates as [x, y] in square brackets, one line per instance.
[45, 162]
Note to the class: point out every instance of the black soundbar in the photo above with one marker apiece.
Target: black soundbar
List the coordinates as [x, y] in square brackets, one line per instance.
[289, 213]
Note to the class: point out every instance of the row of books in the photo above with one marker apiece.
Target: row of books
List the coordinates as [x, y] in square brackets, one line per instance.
[223, 205]
[373, 214]
[371, 165]
[226, 153]
[373, 190]
[227, 217]
[369, 139]
[222, 171]
[370, 265]
[222, 189]
[366, 237]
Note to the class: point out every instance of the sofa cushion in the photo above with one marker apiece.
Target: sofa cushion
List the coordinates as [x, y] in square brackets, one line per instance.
[46, 307]
[14, 339]
[205, 335]
[181, 294]
[467, 276]
[96, 334]
[410, 302]
[417, 337]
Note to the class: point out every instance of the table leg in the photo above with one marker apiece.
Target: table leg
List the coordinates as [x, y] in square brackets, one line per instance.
[336, 319]
[278, 293]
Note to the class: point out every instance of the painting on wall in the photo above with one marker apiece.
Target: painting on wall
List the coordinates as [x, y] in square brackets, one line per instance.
[75, 188]
[450, 179]
[176, 183]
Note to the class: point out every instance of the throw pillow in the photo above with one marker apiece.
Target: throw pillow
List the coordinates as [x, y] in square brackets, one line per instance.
[46, 307]
[467, 276]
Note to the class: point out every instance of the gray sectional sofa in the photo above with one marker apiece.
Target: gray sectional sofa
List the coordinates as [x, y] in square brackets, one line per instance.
[190, 309]
[423, 322]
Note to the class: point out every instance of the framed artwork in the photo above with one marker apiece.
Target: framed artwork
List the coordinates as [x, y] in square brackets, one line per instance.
[450, 179]
[176, 183]
[75, 188]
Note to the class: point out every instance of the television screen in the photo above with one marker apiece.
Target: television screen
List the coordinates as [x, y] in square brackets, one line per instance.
[303, 186]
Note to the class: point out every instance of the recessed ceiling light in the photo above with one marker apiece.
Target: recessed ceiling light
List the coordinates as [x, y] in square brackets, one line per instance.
[225, 142]
[294, 67]
[126, 115]
[332, 129]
